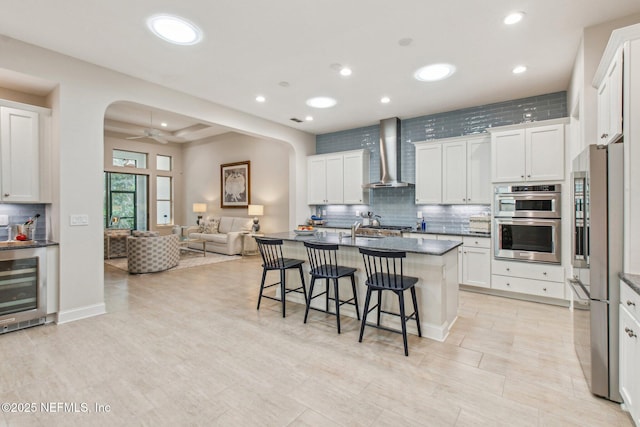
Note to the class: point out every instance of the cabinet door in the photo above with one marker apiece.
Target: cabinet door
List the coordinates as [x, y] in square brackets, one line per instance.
[476, 264]
[545, 153]
[454, 172]
[429, 173]
[335, 180]
[20, 151]
[479, 171]
[508, 156]
[316, 181]
[610, 103]
[629, 368]
[353, 179]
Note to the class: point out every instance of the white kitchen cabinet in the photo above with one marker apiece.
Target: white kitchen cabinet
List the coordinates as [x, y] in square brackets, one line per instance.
[356, 173]
[453, 171]
[20, 155]
[428, 173]
[538, 279]
[531, 153]
[610, 102]
[476, 261]
[337, 178]
[630, 350]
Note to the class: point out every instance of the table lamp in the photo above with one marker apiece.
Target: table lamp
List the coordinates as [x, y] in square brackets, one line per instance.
[199, 208]
[255, 211]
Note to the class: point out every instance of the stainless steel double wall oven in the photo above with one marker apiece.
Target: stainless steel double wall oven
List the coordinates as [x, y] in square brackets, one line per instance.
[527, 223]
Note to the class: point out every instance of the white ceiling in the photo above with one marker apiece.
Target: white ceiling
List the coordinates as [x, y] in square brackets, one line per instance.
[251, 46]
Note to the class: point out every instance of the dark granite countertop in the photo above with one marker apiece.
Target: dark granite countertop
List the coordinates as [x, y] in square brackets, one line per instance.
[420, 246]
[453, 230]
[29, 244]
[633, 280]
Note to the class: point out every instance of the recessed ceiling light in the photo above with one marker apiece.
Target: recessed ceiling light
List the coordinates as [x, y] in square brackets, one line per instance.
[519, 69]
[260, 98]
[385, 100]
[345, 71]
[513, 18]
[434, 72]
[309, 118]
[163, 124]
[405, 42]
[321, 102]
[174, 29]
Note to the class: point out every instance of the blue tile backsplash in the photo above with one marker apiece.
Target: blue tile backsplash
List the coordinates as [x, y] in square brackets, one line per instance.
[20, 213]
[396, 205]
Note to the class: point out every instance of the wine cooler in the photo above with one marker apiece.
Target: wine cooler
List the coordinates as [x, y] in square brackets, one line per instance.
[22, 288]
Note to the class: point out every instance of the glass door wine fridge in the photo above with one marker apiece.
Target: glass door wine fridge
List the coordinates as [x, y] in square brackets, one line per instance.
[22, 288]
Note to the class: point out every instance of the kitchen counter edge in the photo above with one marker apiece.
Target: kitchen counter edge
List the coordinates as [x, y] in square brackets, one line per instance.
[456, 232]
[30, 245]
[419, 246]
[633, 280]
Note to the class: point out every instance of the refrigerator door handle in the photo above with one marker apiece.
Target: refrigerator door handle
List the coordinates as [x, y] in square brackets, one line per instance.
[579, 290]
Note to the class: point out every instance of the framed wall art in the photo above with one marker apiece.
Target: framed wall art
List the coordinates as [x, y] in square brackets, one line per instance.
[235, 179]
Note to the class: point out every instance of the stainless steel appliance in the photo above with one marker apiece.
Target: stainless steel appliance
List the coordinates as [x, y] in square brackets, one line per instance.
[527, 223]
[382, 230]
[597, 251]
[528, 201]
[23, 297]
[390, 156]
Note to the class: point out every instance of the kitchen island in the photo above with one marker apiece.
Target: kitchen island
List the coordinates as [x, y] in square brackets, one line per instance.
[433, 262]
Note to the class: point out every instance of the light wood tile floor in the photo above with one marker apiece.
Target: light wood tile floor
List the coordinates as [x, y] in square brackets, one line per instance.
[189, 348]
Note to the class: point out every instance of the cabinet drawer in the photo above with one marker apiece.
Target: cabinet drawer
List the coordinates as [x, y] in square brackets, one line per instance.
[528, 286]
[630, 300]
[537, 271]
[477, 242]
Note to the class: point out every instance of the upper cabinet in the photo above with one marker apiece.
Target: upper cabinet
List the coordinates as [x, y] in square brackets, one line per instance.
[23, 154]
[337, 178]
[453, 171]
[531, 152]
[610, 102]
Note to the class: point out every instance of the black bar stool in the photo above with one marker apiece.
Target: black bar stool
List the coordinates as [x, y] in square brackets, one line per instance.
[384, 273]
[324, 265]
[271, 252]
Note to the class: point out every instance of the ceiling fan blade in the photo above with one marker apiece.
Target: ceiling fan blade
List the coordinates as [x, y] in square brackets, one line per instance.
[136, 137]
[160, 140]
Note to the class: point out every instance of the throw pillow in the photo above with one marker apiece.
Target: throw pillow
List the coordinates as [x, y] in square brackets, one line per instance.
[212, 226]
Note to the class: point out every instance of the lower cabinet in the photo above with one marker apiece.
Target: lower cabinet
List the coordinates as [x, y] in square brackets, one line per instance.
[476, 261]
[630, 351]
[537, 279]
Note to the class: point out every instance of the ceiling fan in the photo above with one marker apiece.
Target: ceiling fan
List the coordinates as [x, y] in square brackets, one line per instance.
[151, 133]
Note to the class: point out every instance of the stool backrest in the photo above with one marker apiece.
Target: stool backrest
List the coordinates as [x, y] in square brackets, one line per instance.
[383, 268]
[323, 258]
[271, 252]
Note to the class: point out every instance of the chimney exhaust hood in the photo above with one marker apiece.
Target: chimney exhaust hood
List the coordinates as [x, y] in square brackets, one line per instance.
[390, 156]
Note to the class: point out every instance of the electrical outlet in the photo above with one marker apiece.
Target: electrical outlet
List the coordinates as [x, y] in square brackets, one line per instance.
[419, 215]
[77, 220]
[357, 213]
[324, 212]
[4, 219]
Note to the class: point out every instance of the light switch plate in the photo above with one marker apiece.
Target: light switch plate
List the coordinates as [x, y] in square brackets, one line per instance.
[4, 220]
[77, 220]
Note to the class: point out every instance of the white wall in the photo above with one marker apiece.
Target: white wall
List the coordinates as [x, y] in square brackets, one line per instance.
[83, 93]
[269, 175]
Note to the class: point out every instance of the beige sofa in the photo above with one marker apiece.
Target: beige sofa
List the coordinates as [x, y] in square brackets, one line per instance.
[223, 236]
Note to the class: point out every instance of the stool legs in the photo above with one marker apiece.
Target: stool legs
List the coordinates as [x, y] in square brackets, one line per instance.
[283, 290]
[403, 322]
[365, 312]
[337, 300]
[355, 295]
[415, 308]
[264, 276]
[306, 310]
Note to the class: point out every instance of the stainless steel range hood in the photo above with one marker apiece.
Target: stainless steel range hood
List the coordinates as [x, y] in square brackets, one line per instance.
[390, 156]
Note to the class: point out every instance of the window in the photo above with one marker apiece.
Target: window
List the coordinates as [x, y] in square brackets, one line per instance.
[163, 163]
[125, 204]
[129, 159]
[164, 200]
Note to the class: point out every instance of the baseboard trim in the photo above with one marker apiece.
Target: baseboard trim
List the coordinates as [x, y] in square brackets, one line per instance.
[80, 313]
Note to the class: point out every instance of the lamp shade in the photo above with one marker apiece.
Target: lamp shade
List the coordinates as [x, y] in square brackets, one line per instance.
[199, 207]
[255, 210]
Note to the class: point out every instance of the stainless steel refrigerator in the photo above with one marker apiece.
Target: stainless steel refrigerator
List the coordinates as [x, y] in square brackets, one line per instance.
[597, 181]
